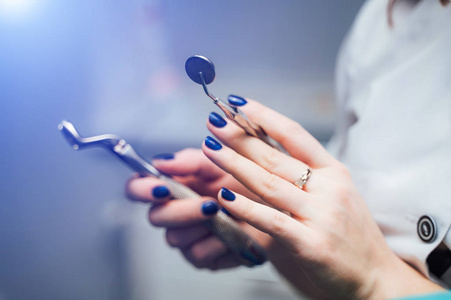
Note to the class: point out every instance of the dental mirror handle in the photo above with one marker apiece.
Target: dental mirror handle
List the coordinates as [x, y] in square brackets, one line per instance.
[235, 115]
[224, 227]
[232, 113]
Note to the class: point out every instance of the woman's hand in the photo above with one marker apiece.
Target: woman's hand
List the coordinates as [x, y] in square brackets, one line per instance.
[183, 218]
[326, 225]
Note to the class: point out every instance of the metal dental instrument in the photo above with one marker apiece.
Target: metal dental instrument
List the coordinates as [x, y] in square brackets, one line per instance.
[201, 70]
[225, 228]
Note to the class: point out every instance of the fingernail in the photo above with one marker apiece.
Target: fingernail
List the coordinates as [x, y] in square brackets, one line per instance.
[212, 143]
[165, 156]
[236, 100]
[209, 208]
[216, 120]
[160, 191]
[228, 195]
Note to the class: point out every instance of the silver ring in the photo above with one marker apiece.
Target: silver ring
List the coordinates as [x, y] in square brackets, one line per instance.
[303, 180]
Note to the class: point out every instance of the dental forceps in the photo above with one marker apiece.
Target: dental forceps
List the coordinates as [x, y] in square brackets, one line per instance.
[224, 227]
[201, 70]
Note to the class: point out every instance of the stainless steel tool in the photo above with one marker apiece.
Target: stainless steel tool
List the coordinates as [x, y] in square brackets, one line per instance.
[222, 225]
[201, 70]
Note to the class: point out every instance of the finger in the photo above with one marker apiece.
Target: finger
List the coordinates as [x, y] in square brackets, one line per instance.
[292, 136]
[269, 187]
[147, 189]
[186, 162]
[185, 236]
[182, 212]
[269, 158]
[275, 223]
[204, 253]
[192, 168]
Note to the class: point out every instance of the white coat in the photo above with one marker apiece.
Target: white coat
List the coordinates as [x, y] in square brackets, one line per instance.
[394, 96]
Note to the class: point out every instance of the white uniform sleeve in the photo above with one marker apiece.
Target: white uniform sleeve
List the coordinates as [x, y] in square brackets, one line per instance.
[394, 97]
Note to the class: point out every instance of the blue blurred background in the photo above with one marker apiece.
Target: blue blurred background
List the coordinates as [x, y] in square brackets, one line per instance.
[109, 66]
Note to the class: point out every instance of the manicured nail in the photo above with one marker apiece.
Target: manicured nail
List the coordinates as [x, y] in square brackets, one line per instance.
[228, 195]
[209, 208]
[165, 156]
[212, 143]
[216, 120]
[236, 100]
[160, 191]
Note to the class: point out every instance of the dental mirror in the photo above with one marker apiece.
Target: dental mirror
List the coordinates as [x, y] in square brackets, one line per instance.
[201, 70]
[197, 65]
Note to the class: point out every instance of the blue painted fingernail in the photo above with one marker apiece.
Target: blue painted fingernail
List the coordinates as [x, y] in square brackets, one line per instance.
[236, 100]
[165, 156]
[160, 191]
[212, 143]
[228, 195]
[216, 120]
[209, 208]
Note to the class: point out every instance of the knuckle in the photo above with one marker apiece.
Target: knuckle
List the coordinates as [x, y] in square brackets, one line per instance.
[271, 159]
[234, 159]
[279, 224]
[199, 256]
[234, 162]
[234, 134]
[248, 212]
[292, 129]
[198, 252]
[343, 195]
[192, 260]
[172, 238]
[259, 117]
[269, 186]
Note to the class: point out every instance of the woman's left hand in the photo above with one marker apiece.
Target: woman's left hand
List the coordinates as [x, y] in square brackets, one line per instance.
[326, 225]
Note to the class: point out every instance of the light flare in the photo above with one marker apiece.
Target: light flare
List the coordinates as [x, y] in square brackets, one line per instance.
[16, 7]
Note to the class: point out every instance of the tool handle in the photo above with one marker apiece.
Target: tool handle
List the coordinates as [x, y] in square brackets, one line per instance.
[235, 115]
[224, 227]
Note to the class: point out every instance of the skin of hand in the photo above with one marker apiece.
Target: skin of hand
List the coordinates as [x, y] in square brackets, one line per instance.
[328, 260]
[182, 218]
[326, 226]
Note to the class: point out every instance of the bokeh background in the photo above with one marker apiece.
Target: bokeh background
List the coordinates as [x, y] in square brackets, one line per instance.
[111, 66]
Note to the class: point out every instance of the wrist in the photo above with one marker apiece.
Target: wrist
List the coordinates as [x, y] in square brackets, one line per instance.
[396, 279]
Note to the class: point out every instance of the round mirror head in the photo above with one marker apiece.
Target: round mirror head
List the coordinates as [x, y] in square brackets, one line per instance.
[198, 64]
